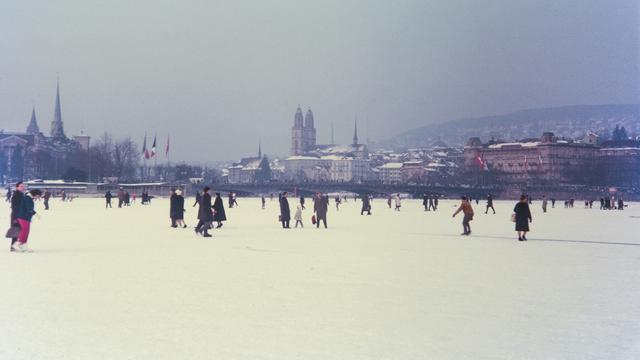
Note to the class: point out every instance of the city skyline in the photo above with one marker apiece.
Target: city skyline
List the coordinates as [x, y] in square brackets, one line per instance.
[225, 76]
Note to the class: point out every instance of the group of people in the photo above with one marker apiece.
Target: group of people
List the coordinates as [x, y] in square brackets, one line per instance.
[521, 215]
[208, 212]
[22, 211]
[320, 209]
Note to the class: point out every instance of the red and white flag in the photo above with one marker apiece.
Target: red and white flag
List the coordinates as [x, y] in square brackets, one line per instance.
[166, 148]
[153, 147]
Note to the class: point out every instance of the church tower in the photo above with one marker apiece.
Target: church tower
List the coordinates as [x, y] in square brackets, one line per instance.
[297, 134]
[57, 128]
[33, 128]
[355, 134]
[309, 131]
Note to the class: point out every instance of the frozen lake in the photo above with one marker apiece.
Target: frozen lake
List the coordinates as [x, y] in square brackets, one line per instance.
[122, 284]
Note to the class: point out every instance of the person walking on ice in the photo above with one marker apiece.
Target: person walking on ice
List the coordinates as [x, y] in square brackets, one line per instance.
[27, 210]
[298, 216]
[490, 205]
[398, 202]
[467, 210]
[522, 218]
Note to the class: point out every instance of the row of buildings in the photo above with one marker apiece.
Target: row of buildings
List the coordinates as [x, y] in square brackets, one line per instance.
[32, 154]
[542, 161]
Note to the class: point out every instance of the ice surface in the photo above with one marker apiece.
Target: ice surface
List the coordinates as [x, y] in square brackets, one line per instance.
[121, 284]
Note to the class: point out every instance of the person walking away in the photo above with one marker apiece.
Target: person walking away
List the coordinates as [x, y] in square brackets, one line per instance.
[366, 205]
[285, 211]
[298, 216]
[205, 213]
[230, 196]
[198, 197]
[544, 203]
[302, 202]
[620, 204]
[435, 203]
[320, 208]
[235, 200]
[398, 202]
[120, 198]
[553, 203]
[490, 205]
[338, 202]
[46, 197]
[264, 202]
[219, 214]
[389, 201]
[26, 212]
[16, 200]
[425, 202]
[467, 210]
[523, 218]
[179, 209]
[173, 208]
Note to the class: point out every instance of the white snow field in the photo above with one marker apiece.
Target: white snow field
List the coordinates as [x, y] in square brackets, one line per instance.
[122, 284]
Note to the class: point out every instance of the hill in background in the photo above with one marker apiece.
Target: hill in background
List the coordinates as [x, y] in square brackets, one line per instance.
[566, 121]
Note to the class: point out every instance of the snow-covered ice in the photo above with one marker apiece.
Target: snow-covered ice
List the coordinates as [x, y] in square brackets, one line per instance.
[122, 284]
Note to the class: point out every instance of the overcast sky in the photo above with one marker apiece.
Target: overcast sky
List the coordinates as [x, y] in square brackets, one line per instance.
[221, 75]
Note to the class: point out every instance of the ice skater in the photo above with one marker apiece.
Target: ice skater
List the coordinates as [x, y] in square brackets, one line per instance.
[16, 200]
[522, 217]
[490, 205]
[26, 213]
[467, 210]
[205, 213]
[389, 201]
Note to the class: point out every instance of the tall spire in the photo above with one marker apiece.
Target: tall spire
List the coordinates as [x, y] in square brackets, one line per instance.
[57, 128]
[33, 128]
[355, 133]
[260, 149]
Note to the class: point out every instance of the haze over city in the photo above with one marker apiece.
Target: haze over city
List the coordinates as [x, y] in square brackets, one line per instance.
[222, 76]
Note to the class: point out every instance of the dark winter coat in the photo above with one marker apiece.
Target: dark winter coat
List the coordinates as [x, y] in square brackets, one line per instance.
[179, 208]
[285, 212]
[27, 208]
[218, 206]
[204, 212]
[523, 216]
[16, 200]
[320, 208]
[366, 203]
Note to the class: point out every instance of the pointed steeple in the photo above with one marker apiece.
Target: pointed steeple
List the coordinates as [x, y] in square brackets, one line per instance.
[355, 133]
[33, 128]
[297, 119]
[57, 128]
[260, 150]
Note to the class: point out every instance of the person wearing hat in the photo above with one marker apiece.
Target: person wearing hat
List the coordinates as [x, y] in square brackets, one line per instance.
[285, 212]
[218, 207]
[173, 211]
[179, 209]
[205, 213]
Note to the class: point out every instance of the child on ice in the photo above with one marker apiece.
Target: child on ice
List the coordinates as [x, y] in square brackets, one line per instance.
[298, 216]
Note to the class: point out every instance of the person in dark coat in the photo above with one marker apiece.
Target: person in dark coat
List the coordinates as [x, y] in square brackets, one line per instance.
[178, 214]
[425, 202]
[16, 201]
[302, 202]
[320, 208]
[205, 213]
[120, 197]
[108, 197]
[218, 207]
[490, 205]
[285, 212]
[46, 197]
[523, 218]
[173, 208]
[366, 205]
[198, 197]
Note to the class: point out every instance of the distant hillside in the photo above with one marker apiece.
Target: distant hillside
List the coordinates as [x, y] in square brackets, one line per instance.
[568, 121]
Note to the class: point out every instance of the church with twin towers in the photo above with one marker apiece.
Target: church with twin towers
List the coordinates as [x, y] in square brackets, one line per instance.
[304, 143]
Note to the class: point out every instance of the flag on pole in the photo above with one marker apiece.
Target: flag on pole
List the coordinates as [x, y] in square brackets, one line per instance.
[166, 148]
[153, 147]
[479, 160]
[145, 152]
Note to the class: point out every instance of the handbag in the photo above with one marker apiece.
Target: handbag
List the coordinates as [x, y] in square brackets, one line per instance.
[513, 217]
[313, 219]
[13, 232]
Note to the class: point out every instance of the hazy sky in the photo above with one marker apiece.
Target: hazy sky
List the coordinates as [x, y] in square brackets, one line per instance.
[220, 75]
